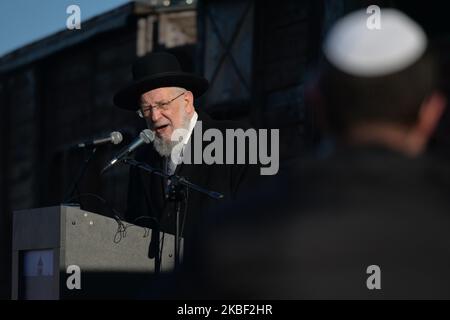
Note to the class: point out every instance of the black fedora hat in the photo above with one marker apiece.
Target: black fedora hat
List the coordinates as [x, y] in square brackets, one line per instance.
[157, 70]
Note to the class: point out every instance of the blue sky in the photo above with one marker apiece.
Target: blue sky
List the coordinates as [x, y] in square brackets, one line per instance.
[25, 21]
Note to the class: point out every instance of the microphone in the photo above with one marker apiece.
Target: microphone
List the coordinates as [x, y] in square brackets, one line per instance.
[146, 136]
[114, 137]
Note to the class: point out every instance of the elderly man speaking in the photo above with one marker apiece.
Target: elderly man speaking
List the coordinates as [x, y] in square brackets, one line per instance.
[163, 95]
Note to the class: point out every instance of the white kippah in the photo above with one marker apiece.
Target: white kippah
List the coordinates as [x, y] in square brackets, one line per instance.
[357, 50]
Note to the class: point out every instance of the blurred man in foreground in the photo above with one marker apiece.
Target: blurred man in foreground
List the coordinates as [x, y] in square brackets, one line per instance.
[371, 219]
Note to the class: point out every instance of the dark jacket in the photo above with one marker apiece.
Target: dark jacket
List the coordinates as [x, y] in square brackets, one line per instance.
[314, 232]
[146, 193]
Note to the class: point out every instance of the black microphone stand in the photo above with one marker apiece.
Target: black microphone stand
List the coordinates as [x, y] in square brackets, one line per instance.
[87, 160]
[177, 190]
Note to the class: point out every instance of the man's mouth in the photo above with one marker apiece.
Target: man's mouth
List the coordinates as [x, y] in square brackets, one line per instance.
[161, 129]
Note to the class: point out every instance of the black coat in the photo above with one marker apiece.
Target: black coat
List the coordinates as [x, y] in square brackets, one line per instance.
[146, 192]
[314, 232]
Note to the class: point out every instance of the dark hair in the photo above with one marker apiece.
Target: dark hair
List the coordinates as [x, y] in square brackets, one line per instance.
[395, 98]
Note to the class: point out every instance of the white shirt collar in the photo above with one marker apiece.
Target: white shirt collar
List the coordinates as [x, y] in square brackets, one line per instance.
[191, 128]
[186, 138]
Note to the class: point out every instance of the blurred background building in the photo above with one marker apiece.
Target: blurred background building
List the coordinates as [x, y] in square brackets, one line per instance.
[258, 56]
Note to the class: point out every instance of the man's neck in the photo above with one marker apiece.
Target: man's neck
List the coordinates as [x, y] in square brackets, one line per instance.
[395, 137]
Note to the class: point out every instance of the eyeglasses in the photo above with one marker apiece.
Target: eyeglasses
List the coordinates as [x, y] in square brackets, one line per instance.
[145, 112]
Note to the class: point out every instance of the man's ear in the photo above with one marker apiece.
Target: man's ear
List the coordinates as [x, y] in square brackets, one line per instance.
[430, 113]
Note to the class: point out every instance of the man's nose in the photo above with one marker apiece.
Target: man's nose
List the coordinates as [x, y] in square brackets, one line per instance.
[155, 114]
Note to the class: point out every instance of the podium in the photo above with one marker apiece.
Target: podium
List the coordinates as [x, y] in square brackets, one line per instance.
[67, 253]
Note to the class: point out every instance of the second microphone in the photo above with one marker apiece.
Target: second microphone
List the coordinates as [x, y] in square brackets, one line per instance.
[146, 136]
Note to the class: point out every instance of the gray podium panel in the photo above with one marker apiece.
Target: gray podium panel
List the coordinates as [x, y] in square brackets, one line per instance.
[49, 244]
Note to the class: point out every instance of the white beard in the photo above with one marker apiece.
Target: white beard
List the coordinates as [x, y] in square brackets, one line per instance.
[163, 147]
